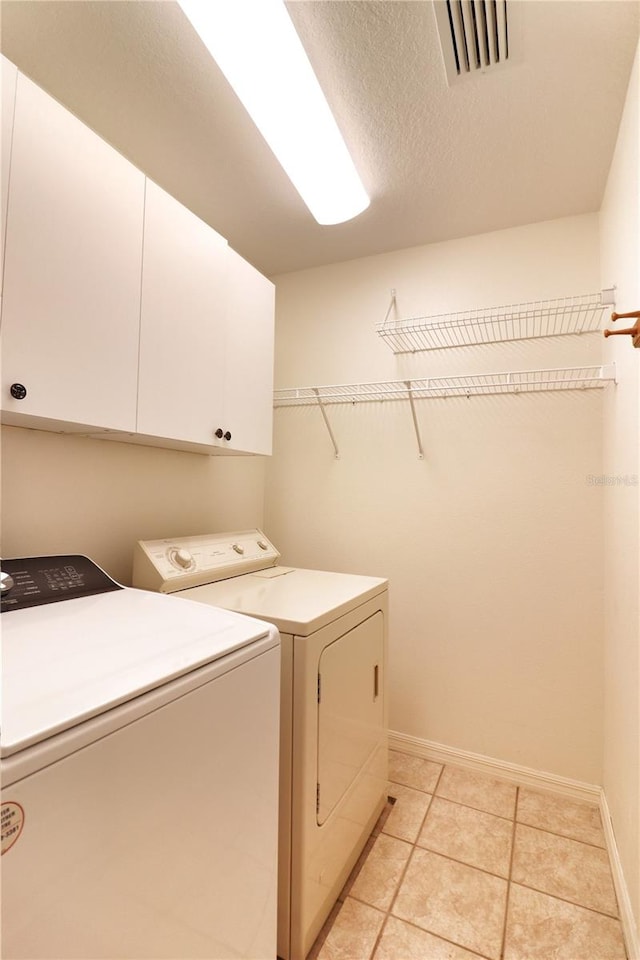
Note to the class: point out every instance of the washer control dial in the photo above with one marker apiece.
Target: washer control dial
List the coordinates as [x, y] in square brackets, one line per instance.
[6, 582]
[238, 548]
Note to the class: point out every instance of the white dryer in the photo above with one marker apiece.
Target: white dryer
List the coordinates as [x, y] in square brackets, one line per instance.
[139, 771]
[333, 737]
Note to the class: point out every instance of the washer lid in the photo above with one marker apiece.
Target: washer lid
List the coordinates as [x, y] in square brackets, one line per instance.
[66, 662]
[298, 601]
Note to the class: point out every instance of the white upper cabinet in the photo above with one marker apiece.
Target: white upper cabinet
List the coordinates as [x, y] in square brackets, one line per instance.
[182, 333]
[123, 314]
[206, 336]
[249, 361]
[70, 321]
[8, 76]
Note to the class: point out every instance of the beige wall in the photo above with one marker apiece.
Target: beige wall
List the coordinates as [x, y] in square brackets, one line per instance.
[64, 494]
[493, 542]
[620, 245]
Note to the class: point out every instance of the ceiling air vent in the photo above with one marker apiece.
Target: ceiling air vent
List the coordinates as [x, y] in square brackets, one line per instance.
[473, 36]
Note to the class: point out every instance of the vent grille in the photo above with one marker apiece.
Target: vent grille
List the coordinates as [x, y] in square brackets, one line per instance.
[474, 35]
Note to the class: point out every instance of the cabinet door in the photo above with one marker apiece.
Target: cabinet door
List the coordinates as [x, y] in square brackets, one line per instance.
[72, 272]
[8, 78]
[249, 371]
[182, 334]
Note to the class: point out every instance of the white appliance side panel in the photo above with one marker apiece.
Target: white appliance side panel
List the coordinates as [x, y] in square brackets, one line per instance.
[286, 796]
[158, 841]
[351, 709]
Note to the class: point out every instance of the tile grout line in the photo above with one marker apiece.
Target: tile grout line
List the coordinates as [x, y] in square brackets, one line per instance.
[418, 846]
[562, 836]
[439, 936]
[406, 866]
[460, 803]
[462, 863]
[572, 903]
[414, 845]
[468, 806]
[510, 874]
[509, 880]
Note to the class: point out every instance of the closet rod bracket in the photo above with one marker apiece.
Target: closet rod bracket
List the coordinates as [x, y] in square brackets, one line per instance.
[326, 422]
[392, 306]
[415, 419]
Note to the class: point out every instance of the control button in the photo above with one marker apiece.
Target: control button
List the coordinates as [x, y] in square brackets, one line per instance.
[6, 582]
[183, 558]
[262, 545]
[238, 548]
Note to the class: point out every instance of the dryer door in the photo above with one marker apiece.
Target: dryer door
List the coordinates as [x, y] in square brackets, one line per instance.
[350, 709]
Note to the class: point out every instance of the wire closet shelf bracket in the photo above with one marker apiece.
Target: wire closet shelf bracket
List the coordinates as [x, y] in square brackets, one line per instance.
[523, 381]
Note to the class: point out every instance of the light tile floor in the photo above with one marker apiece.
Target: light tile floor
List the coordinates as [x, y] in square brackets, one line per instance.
[463, 866]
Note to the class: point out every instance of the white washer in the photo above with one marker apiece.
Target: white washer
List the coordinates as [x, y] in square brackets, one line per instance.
[333, 741]
[139, 769]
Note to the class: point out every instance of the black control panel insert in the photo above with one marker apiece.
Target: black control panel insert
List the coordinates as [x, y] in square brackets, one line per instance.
[32, 581]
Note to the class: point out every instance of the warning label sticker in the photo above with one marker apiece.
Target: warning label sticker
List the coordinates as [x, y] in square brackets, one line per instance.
[12, 820]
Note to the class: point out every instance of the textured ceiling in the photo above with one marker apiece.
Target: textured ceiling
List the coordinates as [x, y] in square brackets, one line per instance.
[526, 142]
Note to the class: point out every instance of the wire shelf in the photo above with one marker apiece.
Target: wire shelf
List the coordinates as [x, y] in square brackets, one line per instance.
[523, 321]
[523, 381]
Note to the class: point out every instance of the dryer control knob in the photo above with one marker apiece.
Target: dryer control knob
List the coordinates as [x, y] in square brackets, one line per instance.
[262, 545]
[183, 558]
[238, 548]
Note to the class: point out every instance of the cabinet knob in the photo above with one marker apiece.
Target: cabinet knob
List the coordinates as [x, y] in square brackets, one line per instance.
[227, 435]
[18, 391]
[219, 434]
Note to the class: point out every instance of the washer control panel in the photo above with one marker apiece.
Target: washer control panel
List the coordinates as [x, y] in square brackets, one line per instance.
[180, 563]
[33, 581]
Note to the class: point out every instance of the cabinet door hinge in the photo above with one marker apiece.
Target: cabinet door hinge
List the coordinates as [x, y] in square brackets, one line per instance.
[318, 688]
[317, 799]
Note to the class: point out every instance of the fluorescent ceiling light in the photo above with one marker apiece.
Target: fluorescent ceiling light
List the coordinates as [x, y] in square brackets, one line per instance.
[257, 48]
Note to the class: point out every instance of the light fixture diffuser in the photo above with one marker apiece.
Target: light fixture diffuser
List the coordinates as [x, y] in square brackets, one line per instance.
[257, 48]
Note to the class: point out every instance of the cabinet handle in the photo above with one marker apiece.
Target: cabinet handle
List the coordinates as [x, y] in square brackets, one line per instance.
[18, 391]
[376, 682]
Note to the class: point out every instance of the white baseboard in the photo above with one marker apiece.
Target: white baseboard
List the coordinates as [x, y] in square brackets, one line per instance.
[513, 772]
[627, 919]
[539, 780]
